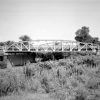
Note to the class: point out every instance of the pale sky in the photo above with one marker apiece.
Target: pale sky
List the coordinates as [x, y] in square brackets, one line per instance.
[48, 19]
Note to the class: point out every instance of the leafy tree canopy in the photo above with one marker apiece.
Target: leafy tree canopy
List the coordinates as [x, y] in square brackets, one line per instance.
[2, 43]
[82, 35]
[25, 38]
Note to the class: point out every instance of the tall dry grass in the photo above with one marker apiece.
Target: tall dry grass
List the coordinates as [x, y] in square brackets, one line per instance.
[64, 79]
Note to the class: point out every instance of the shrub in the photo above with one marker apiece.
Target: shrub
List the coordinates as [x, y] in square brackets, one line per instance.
[8, 83]
[93, 84]
[32, 85]
[28, 71]
[45, 65]
[48, 56]
[89, 61]
[58, 55]
[62, 63]
[58, 95]
[3, 65]
[49, 77]
[45, 85]
[80, 95]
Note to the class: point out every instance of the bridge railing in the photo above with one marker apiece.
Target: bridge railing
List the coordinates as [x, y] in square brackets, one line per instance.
[49, 46]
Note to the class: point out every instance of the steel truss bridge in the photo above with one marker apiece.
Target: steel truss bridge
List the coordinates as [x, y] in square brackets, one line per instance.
[49, 46]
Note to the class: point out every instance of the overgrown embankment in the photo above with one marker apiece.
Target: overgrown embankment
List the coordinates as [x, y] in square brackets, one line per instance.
[74, 78]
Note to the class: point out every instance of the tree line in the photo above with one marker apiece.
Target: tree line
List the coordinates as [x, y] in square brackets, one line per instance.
[22, 38]
[81, 35]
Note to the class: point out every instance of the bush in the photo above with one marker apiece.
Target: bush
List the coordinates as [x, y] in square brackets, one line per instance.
[28, 71]
[48, 56]
[45, 85]
[93, 84]
[45, 65]
[58, 55]
[3, 65]
[80, 95]
[8, 83]
[15, 82]
[58, 95]
[50, 77]
[62, 63]
[89, 61]
[32, 85]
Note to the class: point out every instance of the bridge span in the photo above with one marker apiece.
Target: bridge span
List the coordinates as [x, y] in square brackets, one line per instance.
[19, 53]
[49, 46]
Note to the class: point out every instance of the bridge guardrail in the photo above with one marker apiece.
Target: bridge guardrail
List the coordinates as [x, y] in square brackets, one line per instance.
[49, 46]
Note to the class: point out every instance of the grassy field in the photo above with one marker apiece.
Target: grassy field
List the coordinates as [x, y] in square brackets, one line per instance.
[74, 78]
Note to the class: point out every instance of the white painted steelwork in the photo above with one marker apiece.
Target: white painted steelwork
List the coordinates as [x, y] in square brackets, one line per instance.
[49, 46]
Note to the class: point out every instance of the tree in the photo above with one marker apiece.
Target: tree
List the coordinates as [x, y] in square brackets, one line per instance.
[2, 43]
[82, 35]
[95, 40]
[25, 38]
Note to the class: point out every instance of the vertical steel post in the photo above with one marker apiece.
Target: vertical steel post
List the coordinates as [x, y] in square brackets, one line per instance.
[62, 46]
[29, 46]
[86, 44]
[54, 46]
[20, 46]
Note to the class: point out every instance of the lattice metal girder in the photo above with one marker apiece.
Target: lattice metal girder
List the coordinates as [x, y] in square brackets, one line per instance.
[49, 45]
[14, 45]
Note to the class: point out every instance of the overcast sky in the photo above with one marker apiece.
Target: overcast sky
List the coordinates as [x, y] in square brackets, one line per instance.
[48, 19]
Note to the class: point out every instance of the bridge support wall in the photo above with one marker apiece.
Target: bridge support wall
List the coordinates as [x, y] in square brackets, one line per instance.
[21, 59]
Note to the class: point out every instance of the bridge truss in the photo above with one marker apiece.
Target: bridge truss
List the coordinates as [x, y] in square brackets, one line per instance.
[49, 46]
